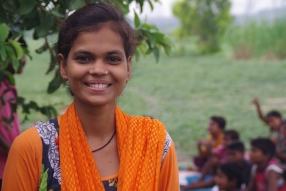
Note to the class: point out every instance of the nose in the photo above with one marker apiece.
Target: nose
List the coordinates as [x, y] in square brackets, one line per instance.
[98, 67]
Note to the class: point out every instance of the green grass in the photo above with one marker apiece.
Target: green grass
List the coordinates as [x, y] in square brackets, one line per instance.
[183, 92]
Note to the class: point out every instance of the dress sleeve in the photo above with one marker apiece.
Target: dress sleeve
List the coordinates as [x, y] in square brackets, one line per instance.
[23, 167]
[169, 175]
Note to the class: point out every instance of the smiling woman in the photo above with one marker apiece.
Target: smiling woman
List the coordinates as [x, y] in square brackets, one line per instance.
[94, 145]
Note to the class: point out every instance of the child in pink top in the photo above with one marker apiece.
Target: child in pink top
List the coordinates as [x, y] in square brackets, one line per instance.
[266, 174]
[9, 122]
[8, 132]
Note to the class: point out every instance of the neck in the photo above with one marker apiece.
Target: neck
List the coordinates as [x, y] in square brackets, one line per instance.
[262, 164]
[97, 121]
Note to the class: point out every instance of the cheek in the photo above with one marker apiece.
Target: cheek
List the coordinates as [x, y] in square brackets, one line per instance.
[222, 183]
[252, 157]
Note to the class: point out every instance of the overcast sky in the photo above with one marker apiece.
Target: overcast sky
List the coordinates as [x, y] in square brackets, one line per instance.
[239, 7]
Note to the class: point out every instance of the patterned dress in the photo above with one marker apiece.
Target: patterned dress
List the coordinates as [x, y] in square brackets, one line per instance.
[51, 172]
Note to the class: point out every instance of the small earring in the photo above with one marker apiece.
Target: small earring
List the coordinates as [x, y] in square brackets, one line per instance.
[106, 72]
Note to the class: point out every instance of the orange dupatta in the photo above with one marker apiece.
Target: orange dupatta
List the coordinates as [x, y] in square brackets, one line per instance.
[140, 142]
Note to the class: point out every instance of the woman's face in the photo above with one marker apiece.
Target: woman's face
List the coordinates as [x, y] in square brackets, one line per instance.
[96, 68]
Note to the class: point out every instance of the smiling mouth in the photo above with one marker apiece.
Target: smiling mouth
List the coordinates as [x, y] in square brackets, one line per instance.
[98, 86]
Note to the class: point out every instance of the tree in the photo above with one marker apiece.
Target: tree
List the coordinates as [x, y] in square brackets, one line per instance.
[207, 19]
[44, 17]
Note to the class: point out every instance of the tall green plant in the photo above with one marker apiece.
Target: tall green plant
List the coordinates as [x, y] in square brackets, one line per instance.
[207, 19]
[258, 39]
[44, 18]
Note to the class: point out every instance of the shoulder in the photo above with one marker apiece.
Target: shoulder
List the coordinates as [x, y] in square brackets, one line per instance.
[27, 141]
[273, 167]
[23, 167]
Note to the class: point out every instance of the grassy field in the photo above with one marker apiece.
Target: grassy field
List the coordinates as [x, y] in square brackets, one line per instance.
[182, 92]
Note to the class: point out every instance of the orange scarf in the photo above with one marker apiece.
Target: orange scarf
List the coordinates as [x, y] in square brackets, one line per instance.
[140, 142]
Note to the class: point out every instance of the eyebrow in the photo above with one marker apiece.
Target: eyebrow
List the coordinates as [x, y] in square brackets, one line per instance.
[115, 52]
[90, 53]
[83, 52]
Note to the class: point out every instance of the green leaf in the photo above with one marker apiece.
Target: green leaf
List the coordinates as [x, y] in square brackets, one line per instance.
[52, 64]
[156, 54]
[3, 64]
[151, 5]
[13, 58]
[160, 37]
[43, 48]
[136, 20]
[9, 76]
[43, 29]
[26, 7]
[167, 49]
[75, 4]
[55, 12]
[55, 83]
[8, 6]
[27, 53]
[18, 48]
[150, 27]
[149, 51]
[4, 31]
[3, 53]
[150, 39]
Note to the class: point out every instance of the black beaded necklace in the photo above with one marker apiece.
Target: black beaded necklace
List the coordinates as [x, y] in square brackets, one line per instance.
[106, 143]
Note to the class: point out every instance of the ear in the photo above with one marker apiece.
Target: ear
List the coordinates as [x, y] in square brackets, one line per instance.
[129, 68]
[63, 67]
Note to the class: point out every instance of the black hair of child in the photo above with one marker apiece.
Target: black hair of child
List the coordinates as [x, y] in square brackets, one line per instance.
[274, 113]
[265, 145]
[236, 146]
[234, 135]
[233, 172]
[220, 121]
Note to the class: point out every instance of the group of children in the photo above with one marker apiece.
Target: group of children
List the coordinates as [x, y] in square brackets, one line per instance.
[222, 155]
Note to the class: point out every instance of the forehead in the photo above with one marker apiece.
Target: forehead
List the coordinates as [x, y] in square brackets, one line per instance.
[273, 118]
[212, 122]
[101, 40]
[254, 148]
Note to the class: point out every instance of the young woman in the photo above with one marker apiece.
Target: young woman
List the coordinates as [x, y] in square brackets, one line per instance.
[94, 145]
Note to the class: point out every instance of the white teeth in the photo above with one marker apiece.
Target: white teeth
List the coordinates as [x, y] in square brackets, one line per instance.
[98, 85]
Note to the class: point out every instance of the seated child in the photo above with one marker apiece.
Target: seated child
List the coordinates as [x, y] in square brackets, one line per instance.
[229, 177]
[266, 175]
[215, 129]
[218, 157]
[235, 153]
